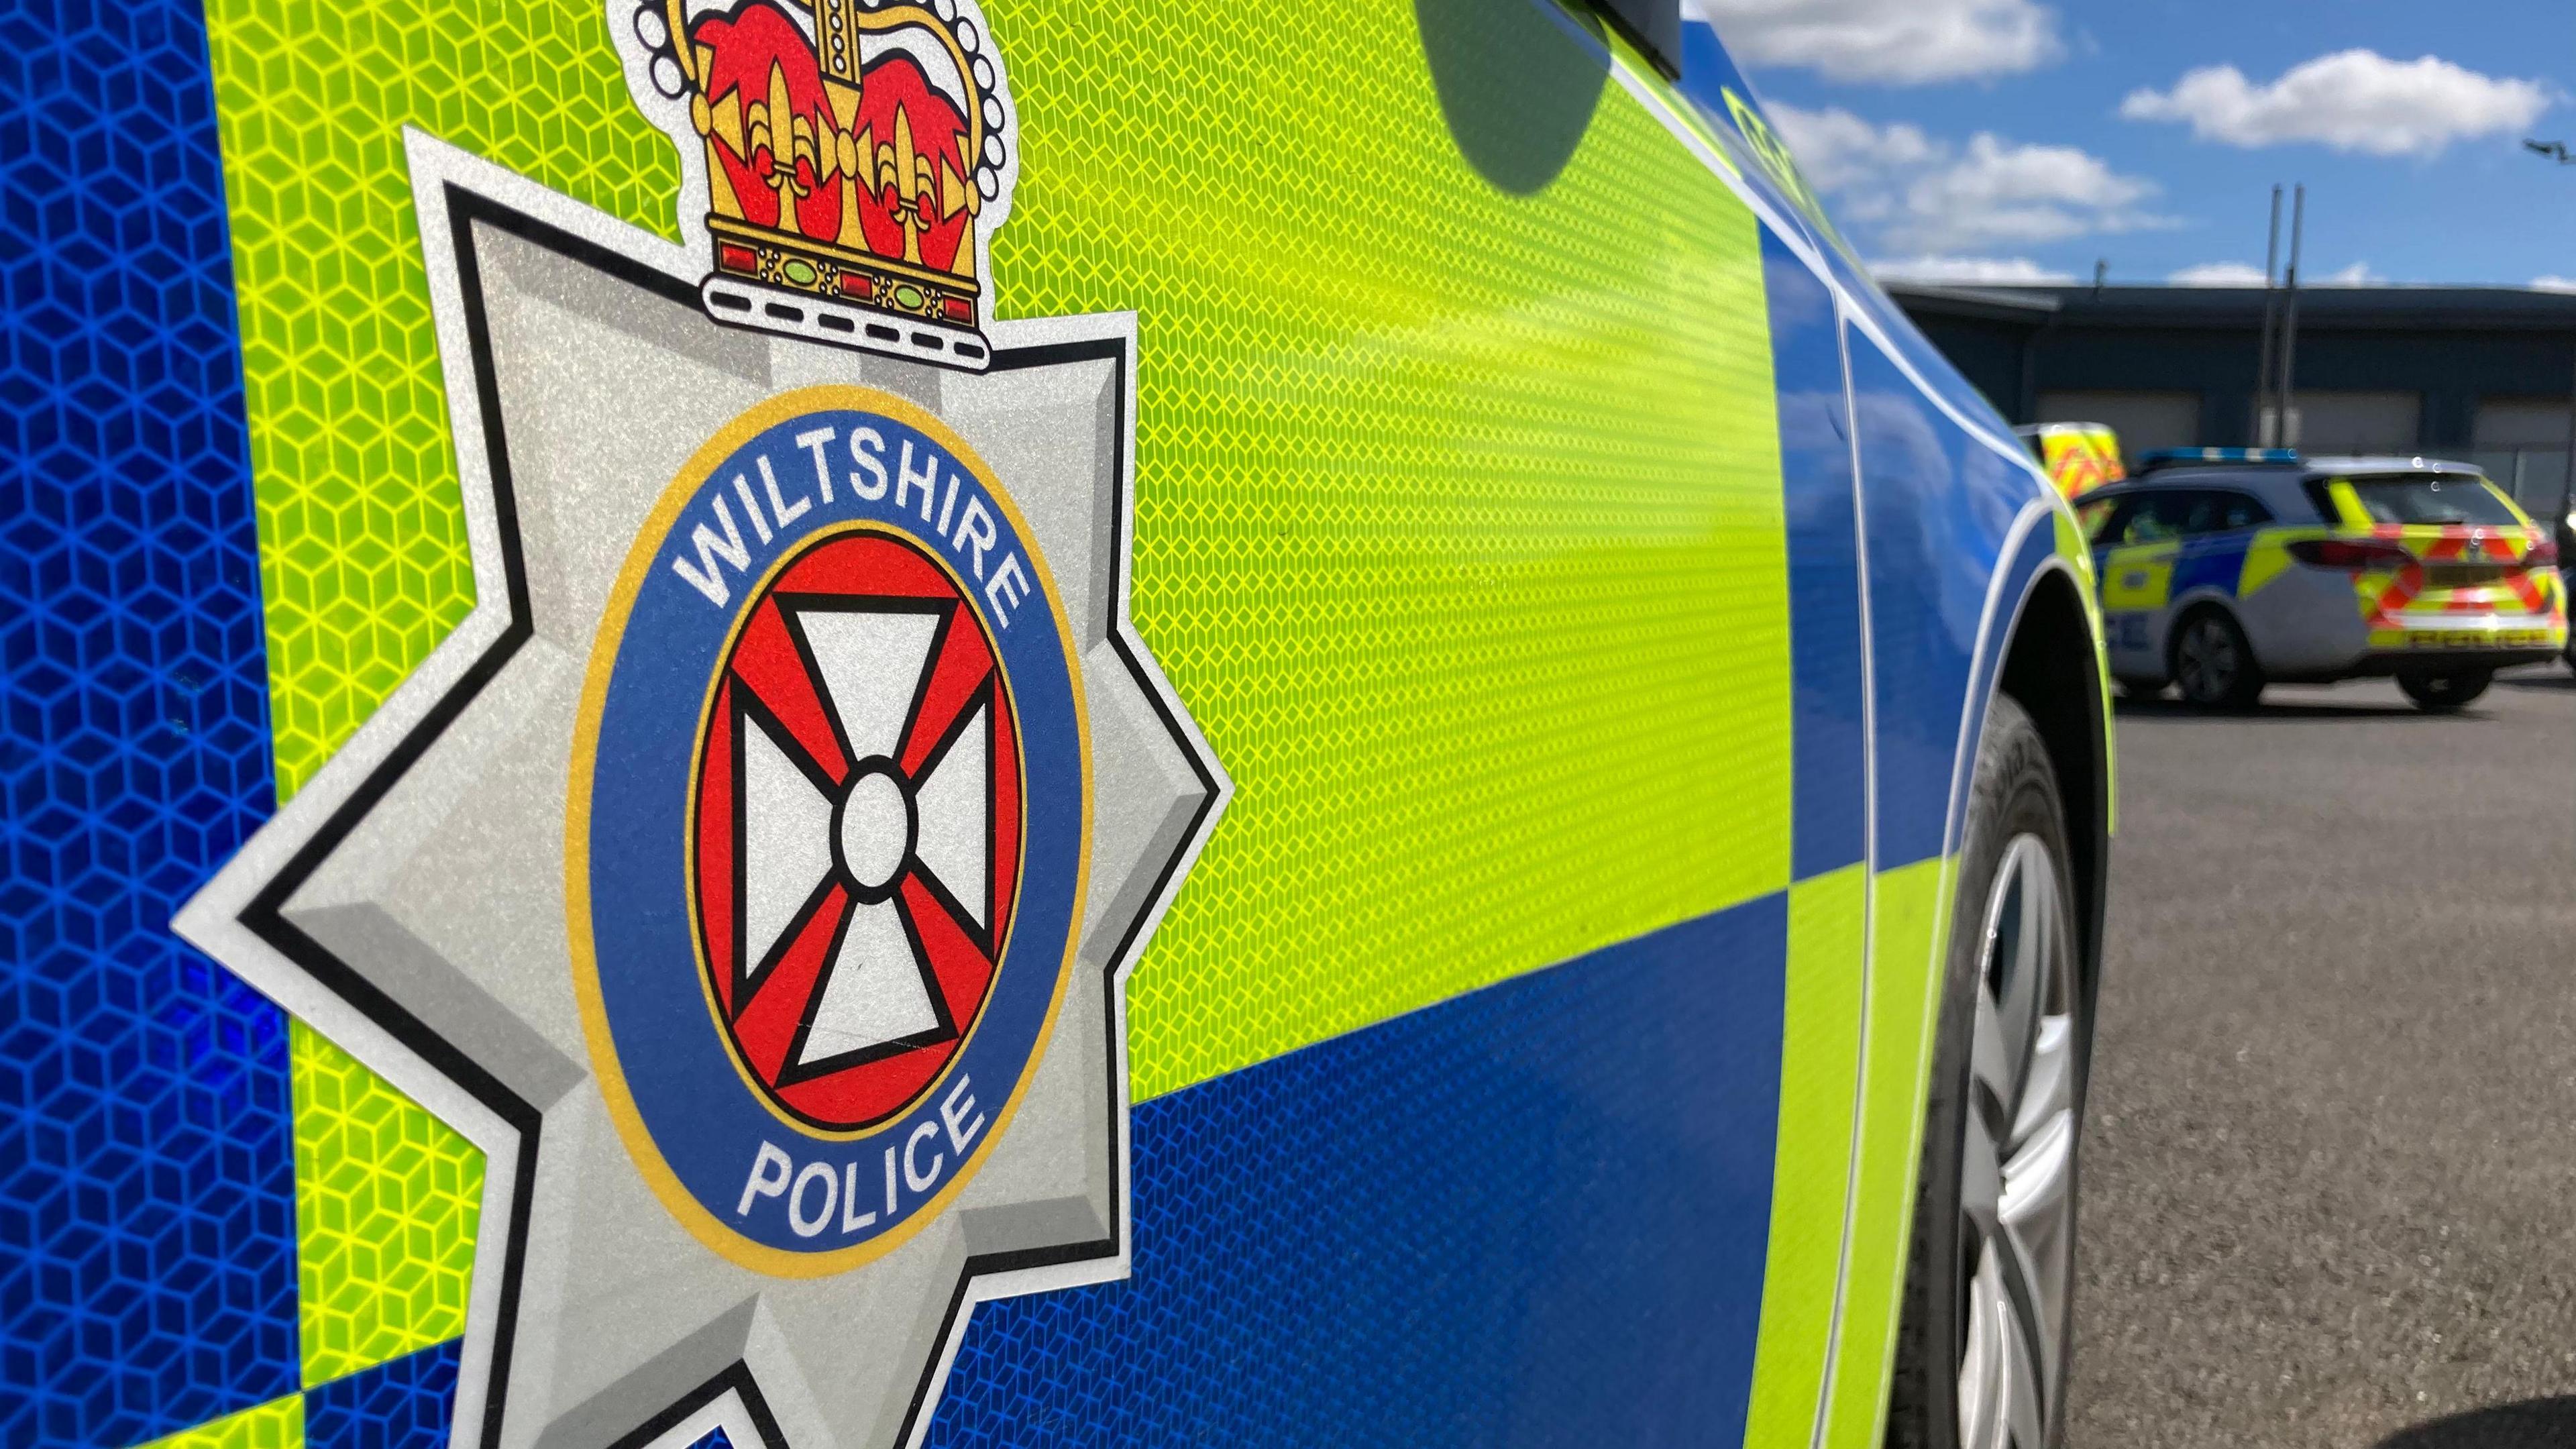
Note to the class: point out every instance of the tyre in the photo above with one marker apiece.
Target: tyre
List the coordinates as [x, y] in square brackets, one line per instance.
[1981, 1351]
[2566, 592]
[2213, 665]
[2444, 690]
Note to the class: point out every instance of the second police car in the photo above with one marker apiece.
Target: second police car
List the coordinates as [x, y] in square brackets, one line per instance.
[869, 723]
[2223, 570]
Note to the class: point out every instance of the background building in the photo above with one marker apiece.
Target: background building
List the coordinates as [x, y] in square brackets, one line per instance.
[2481, 373]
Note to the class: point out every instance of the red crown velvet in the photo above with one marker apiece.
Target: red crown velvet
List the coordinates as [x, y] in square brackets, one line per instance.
[848, 166]
[760, 40]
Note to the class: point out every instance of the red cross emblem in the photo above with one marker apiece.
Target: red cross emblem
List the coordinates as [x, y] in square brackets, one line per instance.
[856, 841]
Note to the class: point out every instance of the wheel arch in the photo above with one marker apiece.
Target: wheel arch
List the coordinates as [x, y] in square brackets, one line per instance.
[2052, 668]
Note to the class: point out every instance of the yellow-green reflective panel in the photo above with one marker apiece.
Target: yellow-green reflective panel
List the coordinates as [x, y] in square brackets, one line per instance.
[277, 1424]
[386, 1201]
[362, 537]
[1458, 518]
[1811, 1163]
[1909, 908]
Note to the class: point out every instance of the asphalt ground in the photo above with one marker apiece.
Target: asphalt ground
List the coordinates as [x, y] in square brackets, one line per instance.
[2329, 1170]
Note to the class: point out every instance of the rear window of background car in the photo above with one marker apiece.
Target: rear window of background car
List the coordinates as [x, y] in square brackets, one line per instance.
[2434, 498]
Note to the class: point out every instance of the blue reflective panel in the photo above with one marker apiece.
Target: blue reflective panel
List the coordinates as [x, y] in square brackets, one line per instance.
[1937, 504]
[1533, 1214]
[2210, 563]
[1829, 747]
[147, 1193]
[1938, 374]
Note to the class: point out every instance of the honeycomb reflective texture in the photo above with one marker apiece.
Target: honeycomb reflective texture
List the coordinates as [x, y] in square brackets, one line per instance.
[385, 1207]
[1532, 1215]
[403, 1404]
[362, 540]
[147, 1256]
[277, 1424]
[1458, 511]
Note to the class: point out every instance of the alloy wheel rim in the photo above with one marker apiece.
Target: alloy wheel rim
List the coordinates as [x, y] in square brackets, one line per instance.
[2208, 663]
[2017, 1168]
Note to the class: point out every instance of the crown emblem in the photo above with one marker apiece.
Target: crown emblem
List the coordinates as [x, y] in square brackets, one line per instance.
[847, 162]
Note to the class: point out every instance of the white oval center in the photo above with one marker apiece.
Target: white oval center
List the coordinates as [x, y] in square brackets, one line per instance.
[876, 830]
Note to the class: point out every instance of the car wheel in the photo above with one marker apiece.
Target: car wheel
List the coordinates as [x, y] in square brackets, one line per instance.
[2444, 690]
[2213, 664]
[1982, 1346]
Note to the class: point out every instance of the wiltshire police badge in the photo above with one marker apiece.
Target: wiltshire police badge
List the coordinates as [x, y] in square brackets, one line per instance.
[754, 873]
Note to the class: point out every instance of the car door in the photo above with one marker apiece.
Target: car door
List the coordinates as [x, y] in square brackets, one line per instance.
[2134, 557]
[2217, 524]
[1825, 958]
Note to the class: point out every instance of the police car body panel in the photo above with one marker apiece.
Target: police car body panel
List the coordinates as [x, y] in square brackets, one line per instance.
[2319, 565]
[859, 725]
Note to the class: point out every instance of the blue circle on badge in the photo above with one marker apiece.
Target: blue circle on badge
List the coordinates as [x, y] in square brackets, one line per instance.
[835, 830]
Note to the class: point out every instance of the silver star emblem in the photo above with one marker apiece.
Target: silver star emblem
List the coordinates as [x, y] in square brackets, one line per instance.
[410, 900]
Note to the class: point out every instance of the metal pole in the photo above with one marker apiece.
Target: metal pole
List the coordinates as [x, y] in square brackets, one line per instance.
[2266, 427]
[2289, 395]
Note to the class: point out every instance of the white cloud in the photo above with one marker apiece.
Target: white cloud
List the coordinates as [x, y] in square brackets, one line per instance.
[2553, 284]
[1838, 150]
[2218, 274]
[2244, 274]
[1919, 193]
[1897, 42]
[1969, 271]
[2352, 100]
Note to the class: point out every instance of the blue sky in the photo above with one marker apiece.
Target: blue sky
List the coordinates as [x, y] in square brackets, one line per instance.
[1995, 139]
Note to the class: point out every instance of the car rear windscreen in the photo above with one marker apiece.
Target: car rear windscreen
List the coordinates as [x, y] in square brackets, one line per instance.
[2434, 498]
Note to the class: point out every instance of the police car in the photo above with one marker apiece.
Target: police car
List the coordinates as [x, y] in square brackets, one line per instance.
[2225, 569]
[909, 722]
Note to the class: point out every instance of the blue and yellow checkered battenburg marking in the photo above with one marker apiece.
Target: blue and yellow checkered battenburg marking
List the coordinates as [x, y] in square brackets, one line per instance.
[402, 1404]
[213, 1225]
[1422, 578]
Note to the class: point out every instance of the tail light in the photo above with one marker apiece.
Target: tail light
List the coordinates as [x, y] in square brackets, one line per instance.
[2345, 553]
[2543, 555]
